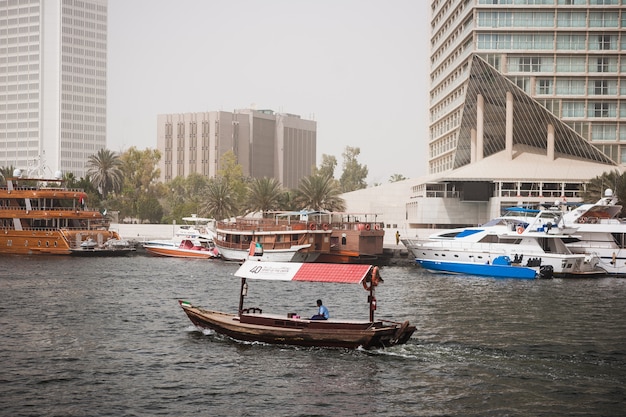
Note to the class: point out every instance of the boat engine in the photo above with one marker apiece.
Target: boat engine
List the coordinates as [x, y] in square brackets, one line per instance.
[546, 272]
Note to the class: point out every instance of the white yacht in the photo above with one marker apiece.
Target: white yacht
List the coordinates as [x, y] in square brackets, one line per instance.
[529, 241]
[600, 231]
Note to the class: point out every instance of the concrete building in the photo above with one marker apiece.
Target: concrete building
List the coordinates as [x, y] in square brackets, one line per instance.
[526, 105]
[565, 55]
[265, 143]
[53, 73]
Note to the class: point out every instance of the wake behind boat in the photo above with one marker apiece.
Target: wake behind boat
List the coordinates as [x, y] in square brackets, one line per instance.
[251, 324]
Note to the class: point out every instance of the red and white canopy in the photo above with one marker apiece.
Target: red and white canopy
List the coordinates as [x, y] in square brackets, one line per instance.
[312, 272]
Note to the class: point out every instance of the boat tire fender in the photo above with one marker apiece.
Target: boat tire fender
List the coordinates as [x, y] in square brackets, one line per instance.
[312, 226]
[325, 226]
[367, 226]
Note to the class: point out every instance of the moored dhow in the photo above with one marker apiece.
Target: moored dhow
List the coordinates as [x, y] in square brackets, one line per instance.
[42, 216]
[287, 237]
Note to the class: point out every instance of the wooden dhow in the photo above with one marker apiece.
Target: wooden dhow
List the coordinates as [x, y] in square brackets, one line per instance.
[42, 216]
[286, 237]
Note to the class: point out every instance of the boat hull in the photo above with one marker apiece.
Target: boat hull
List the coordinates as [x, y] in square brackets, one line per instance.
[173, 252]
[300, 332]
[292, 254]
[103, 252]
[484, 270]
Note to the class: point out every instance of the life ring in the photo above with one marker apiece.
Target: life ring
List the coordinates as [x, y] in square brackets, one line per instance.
[520, 230]
[373, 281]
[367, 226]
[325, 226]
[312, 226]
[377, 226]
[583, 220]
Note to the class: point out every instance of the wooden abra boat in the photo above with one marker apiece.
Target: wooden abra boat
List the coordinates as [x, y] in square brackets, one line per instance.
[41, 216]
[251, 324]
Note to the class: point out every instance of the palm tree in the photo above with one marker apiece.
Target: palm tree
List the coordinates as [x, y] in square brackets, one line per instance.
[594, 189]
[320, 192]
[264, 194]
[397, 177]
[6, 172]
[105, 171]
[221, 201]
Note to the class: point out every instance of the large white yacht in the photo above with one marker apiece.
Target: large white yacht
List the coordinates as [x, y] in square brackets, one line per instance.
[599, 231]
[529, 241]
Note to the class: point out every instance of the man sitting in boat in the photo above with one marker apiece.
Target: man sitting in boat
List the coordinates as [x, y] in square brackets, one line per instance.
[322, 312]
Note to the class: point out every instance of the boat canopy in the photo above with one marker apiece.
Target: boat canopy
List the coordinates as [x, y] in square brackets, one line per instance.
[311, 272]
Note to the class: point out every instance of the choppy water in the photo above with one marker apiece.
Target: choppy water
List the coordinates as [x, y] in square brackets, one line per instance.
[106, 337]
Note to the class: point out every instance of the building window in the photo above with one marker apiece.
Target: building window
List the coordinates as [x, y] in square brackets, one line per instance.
[571, 19]
[573, 109]
[529, 64]
[602, 131]
[604, 42]
[601, 87]
[603, 64]
[544, 87]
[599, 109]
[494, 61]
[603, 19]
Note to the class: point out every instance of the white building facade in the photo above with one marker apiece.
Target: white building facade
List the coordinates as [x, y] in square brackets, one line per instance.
[527, 104]
[567, 55]
[53, 81]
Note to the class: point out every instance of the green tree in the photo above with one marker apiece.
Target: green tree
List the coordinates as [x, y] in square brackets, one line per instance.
[220, 201]
[287, 201]
[104, 170]
[397, 177]
[149, 208]
[185, 196]
[6, 172]
[232, 173]
[140, 167]
[594, 189]
[141, 172]
[317, 192]
[264, 194]
[327, 167]
[354, 174]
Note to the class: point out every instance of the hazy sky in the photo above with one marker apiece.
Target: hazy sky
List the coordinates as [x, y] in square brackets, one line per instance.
[357, 67]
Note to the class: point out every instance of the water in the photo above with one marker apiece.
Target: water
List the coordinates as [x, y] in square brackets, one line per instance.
[106, 337]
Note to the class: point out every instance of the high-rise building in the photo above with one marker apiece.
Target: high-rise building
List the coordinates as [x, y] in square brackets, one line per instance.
[538, 74]
[53, 74]
[265, 144]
